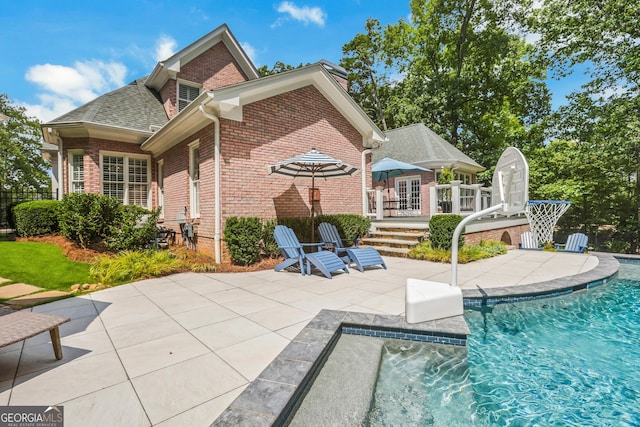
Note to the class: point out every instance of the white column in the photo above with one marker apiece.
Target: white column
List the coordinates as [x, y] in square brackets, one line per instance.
[455, 196]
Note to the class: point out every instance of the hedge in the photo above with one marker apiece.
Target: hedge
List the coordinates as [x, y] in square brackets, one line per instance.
[36, 218]
[441, 228]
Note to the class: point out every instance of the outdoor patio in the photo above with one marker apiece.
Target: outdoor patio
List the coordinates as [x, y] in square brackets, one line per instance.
[177, 350]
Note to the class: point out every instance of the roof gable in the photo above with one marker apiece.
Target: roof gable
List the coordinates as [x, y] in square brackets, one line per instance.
[227, 102]
[169, 68]
[419, 145]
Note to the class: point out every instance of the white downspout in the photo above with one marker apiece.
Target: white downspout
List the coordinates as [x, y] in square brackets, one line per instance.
[365, 198]
[216, 191]
[60, 167]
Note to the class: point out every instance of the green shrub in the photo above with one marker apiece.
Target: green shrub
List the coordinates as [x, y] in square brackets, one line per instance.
[300, 225]
[350, 227]
[133, 228]
[242, 236]
[129, 266]
[488, 249]
[268, 243]
[36, 218]
[85, 218]
[441, 228]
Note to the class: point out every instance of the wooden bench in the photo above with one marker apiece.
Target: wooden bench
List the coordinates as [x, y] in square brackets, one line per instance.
[19, 326]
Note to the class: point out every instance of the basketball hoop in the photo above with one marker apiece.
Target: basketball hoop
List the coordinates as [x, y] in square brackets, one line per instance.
[543, 216]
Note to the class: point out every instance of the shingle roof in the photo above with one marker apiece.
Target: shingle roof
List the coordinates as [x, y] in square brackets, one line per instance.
[417, 144]
[133, 106]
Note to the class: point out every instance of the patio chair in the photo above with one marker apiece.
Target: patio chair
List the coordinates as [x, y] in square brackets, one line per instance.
[362, 257]
[529, 241]
[576, 242]
[293, 252]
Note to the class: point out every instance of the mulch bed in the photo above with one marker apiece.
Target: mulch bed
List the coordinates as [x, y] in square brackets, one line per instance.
[88, 255]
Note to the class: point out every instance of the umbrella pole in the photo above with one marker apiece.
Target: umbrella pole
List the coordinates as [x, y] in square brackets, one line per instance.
[313, 188]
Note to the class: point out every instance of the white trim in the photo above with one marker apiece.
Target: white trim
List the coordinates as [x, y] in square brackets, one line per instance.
[189, 84]
[194, 182]
[126, 157]
[227, 102]
[70, 171]
[408, 179]
[160, 185]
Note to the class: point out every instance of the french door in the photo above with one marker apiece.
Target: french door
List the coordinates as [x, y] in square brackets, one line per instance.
[408, 195]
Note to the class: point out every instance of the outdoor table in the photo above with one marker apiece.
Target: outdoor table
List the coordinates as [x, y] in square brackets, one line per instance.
[19, 326]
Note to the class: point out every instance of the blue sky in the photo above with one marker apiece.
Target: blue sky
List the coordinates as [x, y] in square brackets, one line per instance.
[60, 55]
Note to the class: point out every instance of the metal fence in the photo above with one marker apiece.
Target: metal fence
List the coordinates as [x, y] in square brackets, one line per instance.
[10, 198]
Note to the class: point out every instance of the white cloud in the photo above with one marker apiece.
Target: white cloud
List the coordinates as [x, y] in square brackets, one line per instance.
[304, 14]
[250, 51]
[165, 48]
[63, 88]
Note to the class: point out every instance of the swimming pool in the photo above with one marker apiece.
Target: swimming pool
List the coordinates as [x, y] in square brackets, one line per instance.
[569, 360]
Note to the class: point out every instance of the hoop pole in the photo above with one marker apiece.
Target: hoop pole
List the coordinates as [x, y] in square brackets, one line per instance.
[456, 236]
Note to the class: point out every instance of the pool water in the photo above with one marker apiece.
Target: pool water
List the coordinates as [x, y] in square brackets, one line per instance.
[567, 361]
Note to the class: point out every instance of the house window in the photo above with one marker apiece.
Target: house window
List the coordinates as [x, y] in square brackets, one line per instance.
[161, 187]
[194, 178]
[464, 177]
[126, 178]
[186, 94]
[76, 172]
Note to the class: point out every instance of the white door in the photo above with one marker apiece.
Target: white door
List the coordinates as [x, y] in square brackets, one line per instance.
[409, 200]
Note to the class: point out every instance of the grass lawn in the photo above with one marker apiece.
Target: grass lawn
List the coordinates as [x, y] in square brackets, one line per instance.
[41, 264]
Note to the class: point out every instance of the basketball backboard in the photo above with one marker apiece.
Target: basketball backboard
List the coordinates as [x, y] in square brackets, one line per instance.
[510, 185]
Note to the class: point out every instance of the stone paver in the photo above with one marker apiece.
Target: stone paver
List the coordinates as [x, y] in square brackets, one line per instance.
[33, 299]
[17, 290]
[177, 350]
[3, 280]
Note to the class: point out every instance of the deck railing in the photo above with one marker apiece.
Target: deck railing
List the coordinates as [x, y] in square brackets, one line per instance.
[459, 198]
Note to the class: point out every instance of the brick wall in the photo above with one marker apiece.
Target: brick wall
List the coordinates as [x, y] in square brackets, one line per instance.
[273, 129]
[213, 69]
[508, 235]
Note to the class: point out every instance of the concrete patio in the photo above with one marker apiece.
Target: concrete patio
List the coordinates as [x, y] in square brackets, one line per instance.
[177, 350]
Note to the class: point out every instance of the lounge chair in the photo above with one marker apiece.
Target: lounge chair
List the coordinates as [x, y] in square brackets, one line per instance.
[293, 252]
[362, 257]
[576, 242]
[530, 241]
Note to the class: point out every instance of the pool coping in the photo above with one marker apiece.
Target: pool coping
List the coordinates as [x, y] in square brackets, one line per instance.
[606, 270]
[277, 392]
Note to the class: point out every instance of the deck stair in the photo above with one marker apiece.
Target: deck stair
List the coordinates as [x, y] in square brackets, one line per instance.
[395, 238]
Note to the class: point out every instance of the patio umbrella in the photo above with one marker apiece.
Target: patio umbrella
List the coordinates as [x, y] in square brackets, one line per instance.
[387, 168]
[313, 164]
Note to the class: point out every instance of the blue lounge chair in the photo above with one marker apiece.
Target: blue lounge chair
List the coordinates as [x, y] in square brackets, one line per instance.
[530, 241]
[293, 252]
[362, 257]
[576, 242]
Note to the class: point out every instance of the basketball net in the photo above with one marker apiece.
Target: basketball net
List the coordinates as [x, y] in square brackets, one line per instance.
[543, 215]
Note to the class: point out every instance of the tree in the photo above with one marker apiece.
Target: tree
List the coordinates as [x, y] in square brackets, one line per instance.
[278, 67]
[604, 117]
[363, 61]
[462, 71]
[21, 164]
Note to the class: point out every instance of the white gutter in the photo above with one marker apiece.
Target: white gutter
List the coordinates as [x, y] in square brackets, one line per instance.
[365, 198]
[216, 191]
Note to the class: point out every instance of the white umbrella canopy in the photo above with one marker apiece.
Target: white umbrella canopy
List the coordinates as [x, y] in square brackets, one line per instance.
[313, 164]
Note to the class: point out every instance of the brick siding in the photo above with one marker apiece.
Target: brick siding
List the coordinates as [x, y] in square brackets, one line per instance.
[212, 69]
[273, 129]
[508, 235]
